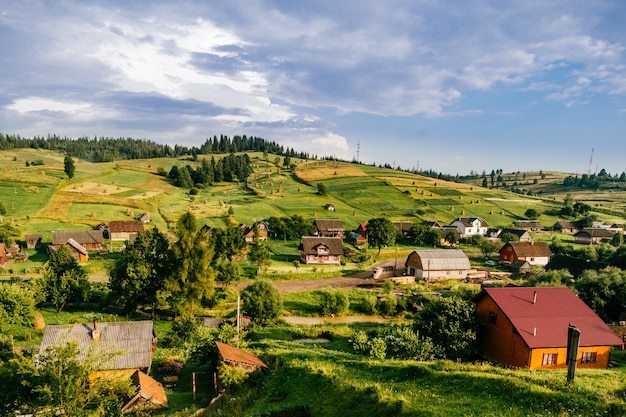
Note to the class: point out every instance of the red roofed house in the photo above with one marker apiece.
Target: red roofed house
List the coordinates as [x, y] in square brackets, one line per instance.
[526, 327]
[535, 253]
[239, 358]
[125, 229]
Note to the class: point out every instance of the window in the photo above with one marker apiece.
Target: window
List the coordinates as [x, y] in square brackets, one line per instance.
[549, 358]
[492, 317]
[588, 357]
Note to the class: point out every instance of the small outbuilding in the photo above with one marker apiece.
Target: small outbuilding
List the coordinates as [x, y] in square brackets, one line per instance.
[239, 358]
[438, 264]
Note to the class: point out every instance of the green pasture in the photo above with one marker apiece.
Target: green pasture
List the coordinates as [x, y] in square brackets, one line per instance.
[23, 201]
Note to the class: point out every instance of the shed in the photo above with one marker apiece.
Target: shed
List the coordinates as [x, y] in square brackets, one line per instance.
[239, 358]
[33, 240]
[149, 394]
[438, 264]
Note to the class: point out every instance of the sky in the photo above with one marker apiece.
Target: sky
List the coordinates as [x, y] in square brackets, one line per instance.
[452, 86]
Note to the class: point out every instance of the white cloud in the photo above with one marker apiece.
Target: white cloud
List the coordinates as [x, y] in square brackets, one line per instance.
[39, 104]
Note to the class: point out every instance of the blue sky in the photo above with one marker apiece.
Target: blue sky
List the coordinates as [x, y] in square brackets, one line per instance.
[452, 86]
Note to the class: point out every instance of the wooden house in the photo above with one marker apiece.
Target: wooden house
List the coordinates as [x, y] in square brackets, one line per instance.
[125, 230]
[135, 340]
[528, 225]
[77, 250]
[526, 327]
[563, 226]
[329, 207]
[328, 227]
[469, 226]
[320, 250]
[239, 358]
[438, 264]
[535, 253]
[145, 217]
[594, 235]
[92, 240]
[575, 266]
[403, 227]
[133, 344]
[251, 232]
[33, 240]
[521, 267]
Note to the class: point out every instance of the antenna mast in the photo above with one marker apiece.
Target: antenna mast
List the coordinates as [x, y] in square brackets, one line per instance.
[590, 163]
[358, 151]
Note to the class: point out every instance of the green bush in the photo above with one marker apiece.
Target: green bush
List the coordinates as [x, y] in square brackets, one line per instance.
[334, 303]
[368, 305]
[387, 306]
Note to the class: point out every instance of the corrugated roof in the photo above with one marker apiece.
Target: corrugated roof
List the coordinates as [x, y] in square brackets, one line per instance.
[133, 338]
[233, 354]
[443, 259]
[596, 232]
[544, 323]
[84, 237]
[534, 249]
[309, 244]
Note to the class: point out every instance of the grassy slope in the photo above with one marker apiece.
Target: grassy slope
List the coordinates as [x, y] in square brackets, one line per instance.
[330, 381]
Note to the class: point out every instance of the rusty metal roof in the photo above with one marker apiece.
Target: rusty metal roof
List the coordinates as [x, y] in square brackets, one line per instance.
[233, 354]
[544, 322]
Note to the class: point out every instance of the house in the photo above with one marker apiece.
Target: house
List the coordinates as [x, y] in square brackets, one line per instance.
[145, 218]
[356, 238]
[521, 234]
[438, 264]
[92, 240]
[526, 327]
[77, 250]
[403, 227]
[320, 250]
[328, 227]
[575, 266]
[135, 340]
[521, 267]
[563, 226]
[125, 230]
[251, 232]
[133, 344]
[239, 358]
[149, 394]
[470, 226]
[528, 225]
[593, 235]
[329, 207]
[432, 224]
[33, 240]
[535, 253]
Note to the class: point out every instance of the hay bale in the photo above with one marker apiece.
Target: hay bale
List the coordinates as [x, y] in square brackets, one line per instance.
[93, 214]
[39, 322]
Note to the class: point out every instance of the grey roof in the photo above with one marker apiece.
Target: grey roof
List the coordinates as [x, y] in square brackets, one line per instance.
[443, 259]
[596, 232]
[33, 237]
[80, 248]
[133, 338]
[84, 237]
[309, 244]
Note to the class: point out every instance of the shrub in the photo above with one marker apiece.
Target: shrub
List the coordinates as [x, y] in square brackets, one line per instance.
[170, 366]
[262, 301]
[230, 376]
[387, 307]
[368, 305]
[334, 303]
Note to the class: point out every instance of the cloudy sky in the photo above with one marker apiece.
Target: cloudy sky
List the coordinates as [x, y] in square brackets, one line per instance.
[452, 86]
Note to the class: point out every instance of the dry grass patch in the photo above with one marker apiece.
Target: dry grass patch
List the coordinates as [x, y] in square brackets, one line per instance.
[319, 171]
[89, 187]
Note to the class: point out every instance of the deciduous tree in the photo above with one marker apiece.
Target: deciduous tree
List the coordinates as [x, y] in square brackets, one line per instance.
[262, 301]
[63, 279]
[69, 166]
[381, 232]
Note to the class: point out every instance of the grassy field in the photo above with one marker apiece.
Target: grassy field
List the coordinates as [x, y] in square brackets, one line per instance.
[40, 199]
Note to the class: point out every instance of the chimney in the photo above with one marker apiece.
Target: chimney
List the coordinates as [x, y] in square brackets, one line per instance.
[535, 297]
[95, 333]
[534, 331]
